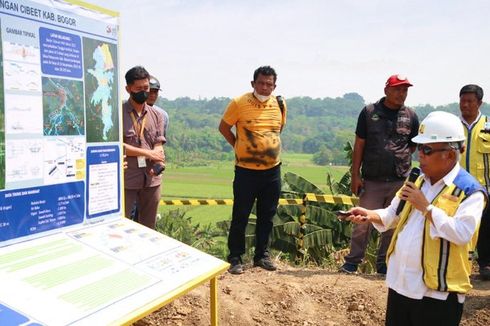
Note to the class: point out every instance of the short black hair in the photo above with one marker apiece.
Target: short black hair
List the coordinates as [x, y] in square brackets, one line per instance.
[472, 88]
[265, 71]
[136, 73]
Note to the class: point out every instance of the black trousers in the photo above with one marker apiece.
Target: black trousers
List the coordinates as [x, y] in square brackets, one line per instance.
[483, 244]
[248, 186]
[403, 311]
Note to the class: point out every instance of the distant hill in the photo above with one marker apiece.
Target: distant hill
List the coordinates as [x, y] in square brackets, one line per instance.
[315, 125]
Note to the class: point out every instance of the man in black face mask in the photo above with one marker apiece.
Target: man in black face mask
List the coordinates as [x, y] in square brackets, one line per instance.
[143, 144]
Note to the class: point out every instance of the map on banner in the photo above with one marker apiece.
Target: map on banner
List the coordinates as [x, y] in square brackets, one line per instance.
[100, 90]
[63, 112]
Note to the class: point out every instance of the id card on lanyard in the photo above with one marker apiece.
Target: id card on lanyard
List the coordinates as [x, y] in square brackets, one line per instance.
[139, 128]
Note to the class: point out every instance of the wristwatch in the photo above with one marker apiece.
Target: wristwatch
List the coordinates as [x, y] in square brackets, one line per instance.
[428, 209]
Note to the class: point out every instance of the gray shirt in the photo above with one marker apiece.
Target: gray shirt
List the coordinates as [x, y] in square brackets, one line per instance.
[134, 176]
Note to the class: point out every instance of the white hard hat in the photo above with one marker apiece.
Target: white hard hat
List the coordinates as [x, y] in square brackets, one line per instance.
[440, 127]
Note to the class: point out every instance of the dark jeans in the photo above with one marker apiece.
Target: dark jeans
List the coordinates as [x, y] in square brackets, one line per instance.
[483, 244]
[248, 186]
[403, 311]
[377, 194]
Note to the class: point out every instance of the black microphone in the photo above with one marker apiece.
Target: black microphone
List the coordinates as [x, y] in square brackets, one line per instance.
[414, 174]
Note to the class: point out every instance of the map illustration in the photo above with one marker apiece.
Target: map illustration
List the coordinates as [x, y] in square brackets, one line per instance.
[100, 62]
[62, 107]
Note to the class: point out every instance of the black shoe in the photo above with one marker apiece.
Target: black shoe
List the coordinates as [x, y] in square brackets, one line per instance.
[265, 263]
[236, 266]
[381, 269]
[485, 273]
[348, 268]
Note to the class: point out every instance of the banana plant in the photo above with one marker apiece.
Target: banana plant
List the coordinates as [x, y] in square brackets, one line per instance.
[309, 230]
[313, 227]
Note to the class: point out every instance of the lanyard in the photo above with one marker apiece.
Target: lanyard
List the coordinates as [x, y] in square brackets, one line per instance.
[138, 128]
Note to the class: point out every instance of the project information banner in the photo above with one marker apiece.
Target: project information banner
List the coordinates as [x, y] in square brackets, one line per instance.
[67, 256]
[59, 117]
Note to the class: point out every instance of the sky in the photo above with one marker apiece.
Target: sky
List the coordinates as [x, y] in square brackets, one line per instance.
[210, 48]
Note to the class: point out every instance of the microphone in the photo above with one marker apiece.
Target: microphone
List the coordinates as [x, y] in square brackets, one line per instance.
[414, 174]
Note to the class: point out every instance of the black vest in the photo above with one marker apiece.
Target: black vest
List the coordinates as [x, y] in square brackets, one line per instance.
[387, 155]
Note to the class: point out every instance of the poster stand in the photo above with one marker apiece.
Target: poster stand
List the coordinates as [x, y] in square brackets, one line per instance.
[67, 256]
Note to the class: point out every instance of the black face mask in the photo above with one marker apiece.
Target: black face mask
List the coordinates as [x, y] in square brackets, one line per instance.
[139, 97]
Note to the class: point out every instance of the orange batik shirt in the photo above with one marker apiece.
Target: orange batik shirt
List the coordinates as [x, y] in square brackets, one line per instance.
[258, 128]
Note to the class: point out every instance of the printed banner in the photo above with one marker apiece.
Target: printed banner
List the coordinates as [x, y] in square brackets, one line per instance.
[58, 98]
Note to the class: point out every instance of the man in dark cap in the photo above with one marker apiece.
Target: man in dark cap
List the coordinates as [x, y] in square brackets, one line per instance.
[152, 99]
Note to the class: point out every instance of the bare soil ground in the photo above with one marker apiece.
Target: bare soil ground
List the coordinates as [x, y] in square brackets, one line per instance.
[299, 296]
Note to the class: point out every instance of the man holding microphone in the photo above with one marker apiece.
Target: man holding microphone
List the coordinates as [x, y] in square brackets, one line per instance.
[429, 258]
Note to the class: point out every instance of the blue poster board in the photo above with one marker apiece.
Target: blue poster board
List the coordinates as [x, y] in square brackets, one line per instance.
[60, 150]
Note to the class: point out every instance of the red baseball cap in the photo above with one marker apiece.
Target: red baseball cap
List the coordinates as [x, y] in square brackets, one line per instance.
[397, 80]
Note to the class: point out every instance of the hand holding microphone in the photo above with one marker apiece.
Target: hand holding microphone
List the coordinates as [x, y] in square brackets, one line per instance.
[414, 174]
[412, 194]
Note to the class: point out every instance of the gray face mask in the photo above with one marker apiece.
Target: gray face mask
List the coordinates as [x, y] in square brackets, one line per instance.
[139, 97]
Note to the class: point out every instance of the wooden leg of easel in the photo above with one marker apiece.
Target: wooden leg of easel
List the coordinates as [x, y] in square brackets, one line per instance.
[214, 301]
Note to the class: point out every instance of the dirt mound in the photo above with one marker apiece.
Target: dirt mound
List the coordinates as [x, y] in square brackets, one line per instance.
[299, 296]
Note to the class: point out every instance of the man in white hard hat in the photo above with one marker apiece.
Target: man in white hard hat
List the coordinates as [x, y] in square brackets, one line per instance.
[429, 258]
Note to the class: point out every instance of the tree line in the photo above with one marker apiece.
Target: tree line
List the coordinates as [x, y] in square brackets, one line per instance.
[319, 126]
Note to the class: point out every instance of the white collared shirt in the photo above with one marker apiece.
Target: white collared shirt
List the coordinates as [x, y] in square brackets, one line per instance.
[469, 126]
[404, 274]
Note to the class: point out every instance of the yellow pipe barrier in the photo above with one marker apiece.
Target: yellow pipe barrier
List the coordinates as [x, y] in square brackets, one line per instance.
[196, 202]
[332, 199]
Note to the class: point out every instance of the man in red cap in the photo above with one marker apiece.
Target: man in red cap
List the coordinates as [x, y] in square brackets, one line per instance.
[381, 160]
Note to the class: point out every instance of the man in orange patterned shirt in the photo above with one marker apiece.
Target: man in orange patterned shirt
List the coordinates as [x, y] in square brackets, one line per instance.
[258, 118]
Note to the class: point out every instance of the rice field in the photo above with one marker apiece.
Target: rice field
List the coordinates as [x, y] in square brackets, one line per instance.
[215, 182]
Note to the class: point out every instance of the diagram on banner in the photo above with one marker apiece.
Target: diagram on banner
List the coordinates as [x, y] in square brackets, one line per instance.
[22, 76]
[127, 242]
[62, 107]
[64, 159]
[21, 53]
[23, 160]
[100, 61]
[23, 114]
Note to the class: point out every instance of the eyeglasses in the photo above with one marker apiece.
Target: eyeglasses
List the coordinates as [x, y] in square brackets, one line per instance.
[427, 150]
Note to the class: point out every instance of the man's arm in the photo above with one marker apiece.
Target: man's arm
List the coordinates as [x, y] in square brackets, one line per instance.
[155, 154]
[357, 154]
[382, 219]
[225, 130]
[360, 215]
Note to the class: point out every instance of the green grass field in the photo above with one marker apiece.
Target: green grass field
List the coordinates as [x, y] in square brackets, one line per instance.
[215, 182]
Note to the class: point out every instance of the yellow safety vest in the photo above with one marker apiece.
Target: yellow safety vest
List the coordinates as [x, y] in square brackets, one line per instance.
[476, 158]
[446, 266]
